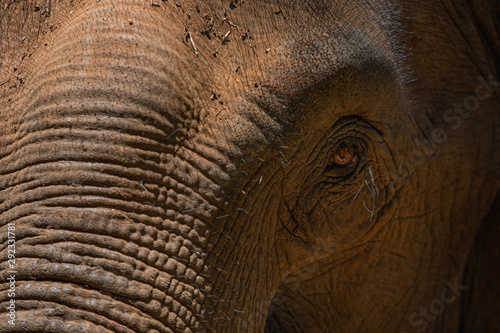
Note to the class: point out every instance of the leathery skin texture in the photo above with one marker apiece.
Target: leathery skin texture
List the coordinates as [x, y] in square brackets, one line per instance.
[248, 166]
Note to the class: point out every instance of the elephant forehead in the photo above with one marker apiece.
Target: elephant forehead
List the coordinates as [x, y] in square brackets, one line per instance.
[307, 52]
[344, 70]
[305, 57]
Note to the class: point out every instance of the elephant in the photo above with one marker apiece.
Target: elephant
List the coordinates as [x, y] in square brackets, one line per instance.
[249, 166]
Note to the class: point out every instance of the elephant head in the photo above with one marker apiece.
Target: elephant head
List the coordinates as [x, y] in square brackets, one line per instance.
[245, 166]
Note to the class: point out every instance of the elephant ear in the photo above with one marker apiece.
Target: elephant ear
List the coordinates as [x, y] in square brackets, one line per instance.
[487, 15]
[496, 22]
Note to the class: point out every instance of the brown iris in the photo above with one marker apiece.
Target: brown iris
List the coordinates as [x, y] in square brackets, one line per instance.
[344, 157]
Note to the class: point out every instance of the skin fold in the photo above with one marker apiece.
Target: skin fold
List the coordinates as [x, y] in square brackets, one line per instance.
[249, 166]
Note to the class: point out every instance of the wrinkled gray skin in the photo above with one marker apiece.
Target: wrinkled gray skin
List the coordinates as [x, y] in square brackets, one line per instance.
[169, 166]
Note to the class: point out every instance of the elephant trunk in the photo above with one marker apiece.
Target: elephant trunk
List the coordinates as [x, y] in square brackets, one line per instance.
[113, 221]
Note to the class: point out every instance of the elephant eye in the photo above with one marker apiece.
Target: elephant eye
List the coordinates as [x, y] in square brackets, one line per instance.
[344, 157]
